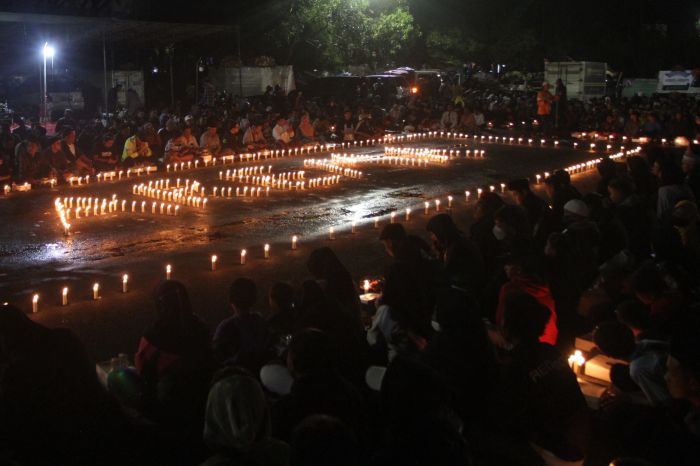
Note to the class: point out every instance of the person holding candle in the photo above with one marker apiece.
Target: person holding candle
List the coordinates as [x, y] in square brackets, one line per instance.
[541, 411]
[105, 155]
[32, 165]
[136, 150]
[177, 151]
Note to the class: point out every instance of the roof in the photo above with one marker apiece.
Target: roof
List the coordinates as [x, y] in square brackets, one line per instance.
[80, 28]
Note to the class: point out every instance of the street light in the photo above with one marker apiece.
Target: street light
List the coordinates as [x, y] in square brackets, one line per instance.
[48, 51]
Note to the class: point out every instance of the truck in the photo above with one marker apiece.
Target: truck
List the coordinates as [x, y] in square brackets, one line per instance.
[683, 81]
[584, 80]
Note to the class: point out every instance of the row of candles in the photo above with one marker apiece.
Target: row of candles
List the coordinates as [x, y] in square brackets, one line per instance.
[331, 167]
[413, 161]
[65, 210]
[404, 151]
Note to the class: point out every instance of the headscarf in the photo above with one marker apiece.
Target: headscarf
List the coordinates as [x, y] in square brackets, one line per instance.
[237, 415]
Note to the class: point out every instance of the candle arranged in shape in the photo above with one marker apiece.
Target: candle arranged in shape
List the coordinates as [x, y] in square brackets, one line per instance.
[213, 263]
[243, 254]
[96, 291]
[64, 297]
[294, 242]
[266, 249]
[35, 303]
[168, 270]
[125, 283]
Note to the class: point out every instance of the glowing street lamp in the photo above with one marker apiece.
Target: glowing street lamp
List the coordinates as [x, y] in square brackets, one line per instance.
[48, 52]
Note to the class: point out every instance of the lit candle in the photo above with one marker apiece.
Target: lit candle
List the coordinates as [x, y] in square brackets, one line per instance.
[294, 242]
[35, 303]
[125, 283]
[96, 291]
[353, 227]
[168, 270]
[467, 194]
[376, 222]
[331, 233]
[408, 214]
[437, 205]
[503, 187]
[427, 207]
[64, 297]
[365, 286]
[213, 263]
[266, 248]
[538, 178]
[243, 254]
[449, 202]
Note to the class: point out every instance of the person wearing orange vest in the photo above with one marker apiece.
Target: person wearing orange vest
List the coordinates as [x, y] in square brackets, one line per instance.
[544, 105]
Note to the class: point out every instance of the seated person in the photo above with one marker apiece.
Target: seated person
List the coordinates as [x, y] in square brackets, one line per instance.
[253, 137]
[242, 339]
[306, 129]
[364, 129]
[136, 150]
[539, 404]
[647, 363]
[177, 151]
[210, 139]
[82, 162]
[31, 164]
[232, 140]
[105, 155]
[61, 165]
[283, 132]
[190, 139]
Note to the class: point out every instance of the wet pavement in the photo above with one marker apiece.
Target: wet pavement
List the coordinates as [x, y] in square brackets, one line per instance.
[35, 256]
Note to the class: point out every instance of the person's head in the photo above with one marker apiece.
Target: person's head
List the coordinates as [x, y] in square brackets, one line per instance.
[68, 113]
[634, 315]
[108, 140]
[648, 284]
[393, 236]
[187, 131]
[545, 86]
[614, 339]
[487, 205]
[55, 144]
[509, 222]
[242, 295]
[323, 263]
[683, 368]
[281, 296]
[282, 120]
[524, 318]
[309, 352]
[69, 135]
[551, 185]
[519, 189]
[620, 189]
[172, 302]
[321, 440]
[575, 210]
[519, 265]
[32, 144]
[443, 231]
[237, 415]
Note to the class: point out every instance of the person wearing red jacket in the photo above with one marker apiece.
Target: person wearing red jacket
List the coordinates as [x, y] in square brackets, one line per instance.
[522, 278]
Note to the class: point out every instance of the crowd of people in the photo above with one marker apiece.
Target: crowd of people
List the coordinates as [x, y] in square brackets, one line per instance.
[460, 360]
[82, 147]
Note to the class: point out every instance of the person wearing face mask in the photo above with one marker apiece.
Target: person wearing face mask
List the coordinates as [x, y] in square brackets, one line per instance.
[463, 265]
[512, 230]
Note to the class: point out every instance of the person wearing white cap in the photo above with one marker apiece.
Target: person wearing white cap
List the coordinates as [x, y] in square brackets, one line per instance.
[576, 209]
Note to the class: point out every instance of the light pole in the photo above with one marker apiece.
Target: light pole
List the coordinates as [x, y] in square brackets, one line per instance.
[48, 52]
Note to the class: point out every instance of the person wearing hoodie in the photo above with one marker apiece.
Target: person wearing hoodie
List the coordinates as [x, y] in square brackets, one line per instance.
[523, 278]
[237, 425]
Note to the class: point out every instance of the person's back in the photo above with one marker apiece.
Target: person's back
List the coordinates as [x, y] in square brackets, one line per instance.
[317, 387]
[243, 338]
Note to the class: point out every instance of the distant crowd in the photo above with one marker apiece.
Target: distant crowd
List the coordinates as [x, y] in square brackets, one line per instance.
[82, 146]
